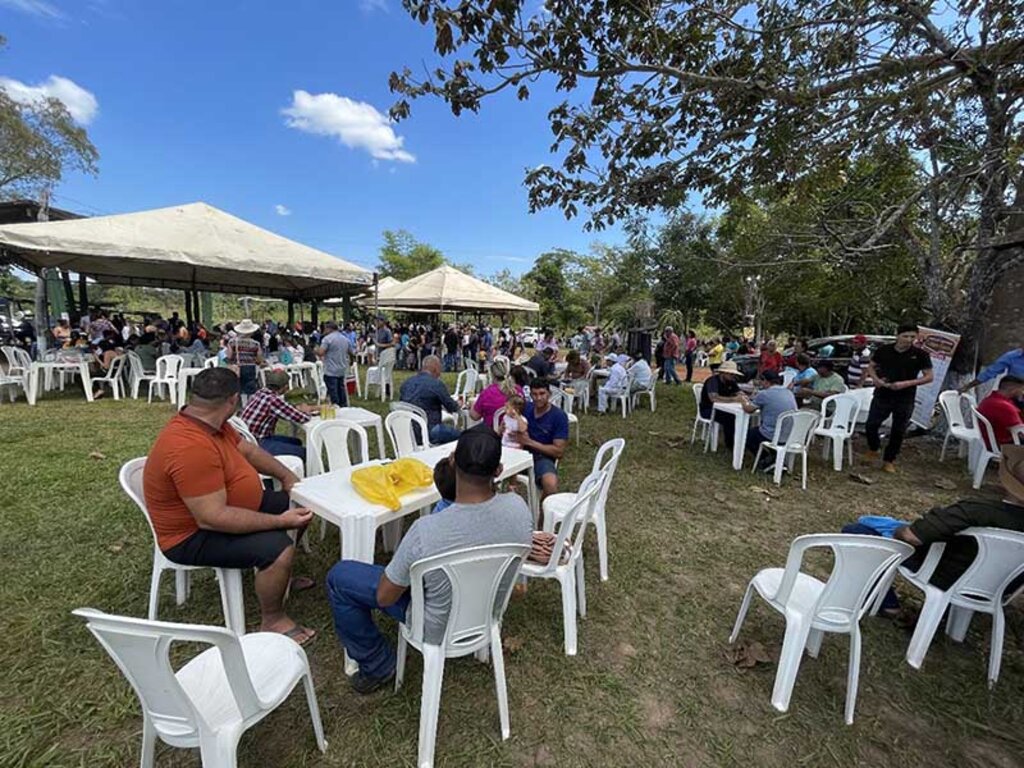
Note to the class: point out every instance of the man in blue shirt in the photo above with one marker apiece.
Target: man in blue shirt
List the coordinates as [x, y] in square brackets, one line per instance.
[547, 434]
[335, 351]
[772, 401]
[427, 391]
[1011, 364]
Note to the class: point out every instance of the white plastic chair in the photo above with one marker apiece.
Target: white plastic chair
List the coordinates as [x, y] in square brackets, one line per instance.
[788, 376]
[561, 399]
[211, 362]
[242, 429]
[401, 427]
[801, 427]
[13, 382]
[699, 421]
[980, 451]
[167, 368]
[332, 437]
[481, 581]
[217, 695]
[18, 361]
[863, 568]
[380, 376]
[113, 377]
[138, 374]
[864, 396]
[465, 383]
[957, 427]
[981, 588]
[649, 391]
[230, 579]
[557, 505]
[566, 562]
[838, 427]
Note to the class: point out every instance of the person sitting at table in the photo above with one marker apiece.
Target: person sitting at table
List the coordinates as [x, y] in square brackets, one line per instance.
[825, 384]
[542, 363]
[640, 374]
[207, 503]
[479, 517]
[770, 359]
[1002, 411]
[105, 353]
[617, 382]
[546, 436]
[494, 396]
[61, 331]
[576, 367]
[268, 405]
[772, 401]
[426, 391]
[722, 387]
[805, 374]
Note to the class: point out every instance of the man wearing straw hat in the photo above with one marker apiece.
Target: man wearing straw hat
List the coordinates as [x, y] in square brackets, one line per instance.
[723, 387]
[246, 353]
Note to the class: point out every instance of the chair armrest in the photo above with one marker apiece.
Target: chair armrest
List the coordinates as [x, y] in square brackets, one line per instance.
[930, 562]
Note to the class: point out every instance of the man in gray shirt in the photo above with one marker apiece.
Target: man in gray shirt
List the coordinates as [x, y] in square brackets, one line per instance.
[478, 517]
[773, 401]
[334, 350]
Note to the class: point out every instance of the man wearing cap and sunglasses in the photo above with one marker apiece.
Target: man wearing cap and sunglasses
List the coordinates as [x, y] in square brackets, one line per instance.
[858, 361]
[479, 516]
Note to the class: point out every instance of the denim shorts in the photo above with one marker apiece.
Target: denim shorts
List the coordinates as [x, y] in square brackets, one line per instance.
[542, 465]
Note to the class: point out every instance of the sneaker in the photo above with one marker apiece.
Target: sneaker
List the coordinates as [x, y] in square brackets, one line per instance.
[870, 455]
[889, 467]
[364, 684]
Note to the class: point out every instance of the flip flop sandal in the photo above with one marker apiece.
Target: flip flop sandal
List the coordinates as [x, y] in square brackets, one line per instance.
[298, 630]
[302, 583]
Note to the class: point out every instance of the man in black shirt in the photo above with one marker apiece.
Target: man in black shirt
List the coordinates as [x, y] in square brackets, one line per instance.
[542, 364]
[723, 387]
[896, 370]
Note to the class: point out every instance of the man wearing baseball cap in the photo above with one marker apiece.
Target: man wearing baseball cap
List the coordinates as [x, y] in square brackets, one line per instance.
[858, 361]
[478, 517]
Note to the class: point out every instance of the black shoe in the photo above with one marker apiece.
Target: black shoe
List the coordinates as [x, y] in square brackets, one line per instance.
[364, 684]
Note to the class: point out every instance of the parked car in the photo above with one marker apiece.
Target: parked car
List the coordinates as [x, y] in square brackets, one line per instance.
[838, 349]
[530, 336]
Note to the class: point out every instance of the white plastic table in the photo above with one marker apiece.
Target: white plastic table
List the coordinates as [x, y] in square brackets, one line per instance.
[741, 423]
[364, 418]
[332, 497]
[47, 368]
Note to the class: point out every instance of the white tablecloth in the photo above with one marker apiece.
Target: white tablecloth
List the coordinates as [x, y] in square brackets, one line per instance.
[332, 497]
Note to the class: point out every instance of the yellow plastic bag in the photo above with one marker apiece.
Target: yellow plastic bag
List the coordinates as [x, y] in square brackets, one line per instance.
[386, 483]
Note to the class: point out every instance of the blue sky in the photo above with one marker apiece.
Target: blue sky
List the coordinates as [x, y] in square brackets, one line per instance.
[252, 106]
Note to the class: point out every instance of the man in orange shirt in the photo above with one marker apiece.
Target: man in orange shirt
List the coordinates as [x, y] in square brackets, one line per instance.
[207, 502]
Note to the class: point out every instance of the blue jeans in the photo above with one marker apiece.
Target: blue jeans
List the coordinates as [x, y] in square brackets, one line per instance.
[442, 433]
[336, 391]
[890, 600]
[451, 361]
[352, 593]
[543, 465]
[282, 445]
[670, 371]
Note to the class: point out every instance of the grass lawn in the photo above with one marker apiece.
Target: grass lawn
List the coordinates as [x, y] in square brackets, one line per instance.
[652, 684]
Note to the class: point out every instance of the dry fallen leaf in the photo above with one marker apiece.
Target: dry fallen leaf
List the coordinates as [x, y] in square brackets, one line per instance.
[862, 479]
[116, 547]
[945, 484]
[747, 655]
[625, 649]
[721, 498]
[97, 455]
[512, 644]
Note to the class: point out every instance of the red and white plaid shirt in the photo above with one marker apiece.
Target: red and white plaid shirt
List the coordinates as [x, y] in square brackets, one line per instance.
[265, 408]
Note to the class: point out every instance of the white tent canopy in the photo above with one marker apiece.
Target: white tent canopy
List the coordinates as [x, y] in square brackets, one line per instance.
[446, 289]
[190, 247]
[367, 301]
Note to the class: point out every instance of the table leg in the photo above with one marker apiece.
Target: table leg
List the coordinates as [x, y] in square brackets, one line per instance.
[32, 384]
[739, 439]
[357, 539]
[86, 380]
[379, 427]
[533, 496]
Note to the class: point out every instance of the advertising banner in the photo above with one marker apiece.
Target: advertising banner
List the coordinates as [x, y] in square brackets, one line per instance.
[940, 345]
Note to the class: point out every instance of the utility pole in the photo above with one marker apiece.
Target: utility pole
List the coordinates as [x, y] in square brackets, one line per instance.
[41, 319]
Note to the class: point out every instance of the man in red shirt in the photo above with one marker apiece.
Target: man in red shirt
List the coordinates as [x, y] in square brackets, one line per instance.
[671, 353]
[1002, 411]
[208, 505]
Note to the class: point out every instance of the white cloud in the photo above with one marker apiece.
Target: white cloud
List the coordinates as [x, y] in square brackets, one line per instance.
[369, 6]
[282, 210]
[81, 104]
[355, 124]
[34, 7]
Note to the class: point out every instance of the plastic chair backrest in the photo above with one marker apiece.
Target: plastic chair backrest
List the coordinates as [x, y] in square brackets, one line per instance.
[949, 401]
[460, 382]
[863, 566]
[130, 478]
[242, 429]
[985, 429]
[481, 579]
[846, 408]
[607, 461]
[167, 366]
[211, 362]
[402, 429]
[332, 437]
[574, 524]
[697, 389]
[135, 364]
[114, 371]
[23, 358]
[141, 648]
[12, 360]
[787, 377]
[999, 561]
[496, 421]
[801, 426]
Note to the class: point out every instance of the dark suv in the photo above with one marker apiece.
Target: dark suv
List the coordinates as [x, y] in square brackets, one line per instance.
[838, 349]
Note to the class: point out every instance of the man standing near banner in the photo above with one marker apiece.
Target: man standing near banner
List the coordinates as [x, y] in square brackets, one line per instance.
[896, 371]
